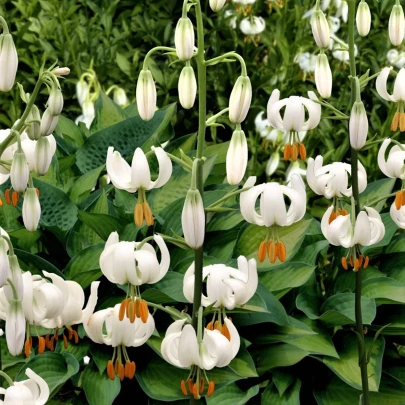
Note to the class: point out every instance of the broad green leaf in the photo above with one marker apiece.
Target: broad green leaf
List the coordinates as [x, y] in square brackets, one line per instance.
[385, 290]
[397, 244]
[84, 184]
[24, 239]
[250, 237]
[171, 285]
[99, 389]
[374, 191]
[243, 364]
[232, 395]
[185, 143]
[35, 264]
[78, 350]
[54, 368]
[290, 397]
[100, 354]
[102, 224]
[224, 221]
[7, 360]
[309, 254]
[282, 379]
[70, 132]
[124, 136]
[347, 367]
[309, 304]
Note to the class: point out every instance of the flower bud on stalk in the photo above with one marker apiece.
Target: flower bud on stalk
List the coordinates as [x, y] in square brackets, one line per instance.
[19, 172]
[193, 219]
[42, 156]
[323, 76]
[239, 101]
[55, 102]
[396, 25]
[358, 125]
[320, 29]
[273, 163]
[48, 123]
[31, 209]
[187, 87]
[146, 95]
[120, 97]
[15, 327]
[184, 39]
[4, 263]
[8, 62]
[216, 5]
[236, 157]
[363, 19]
[34, 128]
[61, 71]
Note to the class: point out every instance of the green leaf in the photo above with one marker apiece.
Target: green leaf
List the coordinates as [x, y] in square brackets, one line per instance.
[232, 395]
[289, 397]
[123, 64]
[124, 136]
[78, 350]
[243, 364]
[99, 389]
[374, 191]
[56, 208]
[282, 379]
[250, 237]
[7, 360]
[347, 367]
[69, 131]
[35, 264]
[54, 368]
[102, 224]
[385, 290]
[84, 184]
[170, 287]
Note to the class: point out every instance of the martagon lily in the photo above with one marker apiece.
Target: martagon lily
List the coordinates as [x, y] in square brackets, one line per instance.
[273, 212]
[137, 177]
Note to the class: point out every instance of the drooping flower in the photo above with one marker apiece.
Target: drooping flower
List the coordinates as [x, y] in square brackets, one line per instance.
[184, 39]
[396, 24]
[187, 87]
[273, 211]
[120, 97]
[398, 95]
[137, 178]
[252, 25]
[398, 214]
[8, 60]
[216, 5]
[19, 172]
[323, 76]
[358, 125]
[320, 28]
[293, 120]
[367, 229]
[236, 157]
[193, 219]
[240, 99]
[48, 122]
[396, 58]
[226, 287]
[107, 327]
[363, 18]
[146, 95]
[31, 209]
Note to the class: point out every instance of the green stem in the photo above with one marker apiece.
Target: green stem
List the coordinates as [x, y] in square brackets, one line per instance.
[7, 378]
[179, 161]
[229, 195]
[221, 58]
[4, 25]
[355, 188]
[152, 51]
[212, 119]
[171, 311]
[381, 199]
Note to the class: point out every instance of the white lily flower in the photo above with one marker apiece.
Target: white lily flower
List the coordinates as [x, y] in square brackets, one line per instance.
[19, 172]
[368, 228]
[216, 5]
[331, 180]
[89, 113]
[122, 262]
[398, 215]
[34, 391]
[395, 58]
[187, 87]
[363, 19]
[396, 25]
[236, 157]
[306, 62]
[394, 166]
[193, 219]
[398, 95]
[8, 61]
[358, 125]
[240, 99]
[31, 209]
[334, 25]
[48, 123]
[323, 76]
[181, 348]
[146, 95]
[226, 286]
[252, 26]
[184, 39]
[273, 211]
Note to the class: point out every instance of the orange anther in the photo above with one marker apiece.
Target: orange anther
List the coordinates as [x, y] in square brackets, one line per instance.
[303, 151]
[261, 254]
[344, 212]
[52, 344]
[127, 368]
[287, 151]
[351, 261]
[218, 326]
[357, 264]
[131, 311]
[116, 365]
[395, 121]
[138, 214]
[1, 202]
[144, 311]
[76, 336]
[183, 387]
[271, 250]
[402, 122]
[27, 348]
[201, 385]
[211, 387]
[294, 152]
[123, 309]
[65, 341]
[281, 252]
[47, 341]
[403, 197]
[398, 200]
[332, 217]
[190, 384]
[361, 258]
[110, 370]
[147, 213]
[338, 212]
[365, 265]
[38, 193]
[195, 391]
[132, 370]
[210, 326]
[56, 334]
[138, 307]
[41, 345]
[344, 263]
[225, 332]
[121, 371]
[14, 198]
[70, 334]
[7, 196]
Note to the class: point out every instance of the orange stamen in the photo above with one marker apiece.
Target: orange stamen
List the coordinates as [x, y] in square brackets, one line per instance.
[195, 391]
[147, 213]
[403, 197]
[138, 307]
[110, 370]
[144, 311]
[38, 193]
[41, 345]
[47, 341]
[14, 198]
[190, 384]
[65, 342]
[210, 326]
[398, 200]
[261, 254]
[294, 153]
[131, 311]
[183, 387]
[344, 263]
[52, 344]
[201, 385]
[395, 121]
[76, 336]
[357, 264]
[138, 214]
[132, 370]
[225, 332]
[366, 262]
[127, 368]
[332, 217]
[117, 364]
[121, 371]
[271, 249]
[211, 387]
[402, 122]
[351, 260]
[361, 258]
[1, 202]
[7, 196]
[287, 152]
[27, 347]
[123, 309]
[281, 251]
[303, 151]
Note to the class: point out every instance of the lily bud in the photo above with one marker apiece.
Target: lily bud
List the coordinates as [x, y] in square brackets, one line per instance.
[4, 263]
[396, 25]
[187, 87]
[8, 62]
[184, 39]
[19, 172]
[55, 101]
[216, 5]
[48, 123]
[42, 156]
[320, 29]
[236, 158]
[273, 163]
[34, 128]
[120, 97]
[363, 19]
[15, 327]
[323, 76]
[239, 102]
[82, 91]
[358, 125]
[193, 219]
[31, 209]
[146, 95]
[61, 71]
